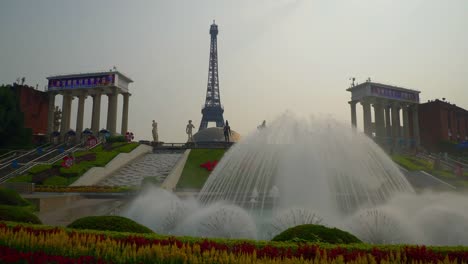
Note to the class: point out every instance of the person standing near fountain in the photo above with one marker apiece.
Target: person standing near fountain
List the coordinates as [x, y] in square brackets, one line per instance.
[188, 130]
[155, 132]
[227, 131]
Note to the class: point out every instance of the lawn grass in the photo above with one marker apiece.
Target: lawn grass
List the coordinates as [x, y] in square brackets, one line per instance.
[193, 176]
[57, 181]
[21, 178]
[412, 163]
[415, 164]
[445, 174]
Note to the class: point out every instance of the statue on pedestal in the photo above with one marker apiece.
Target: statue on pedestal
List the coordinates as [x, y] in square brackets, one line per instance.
[57, 118]
[155, 132]
[188, 130]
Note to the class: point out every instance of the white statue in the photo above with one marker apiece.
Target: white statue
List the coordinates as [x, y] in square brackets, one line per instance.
[188, 130]
[155, 132]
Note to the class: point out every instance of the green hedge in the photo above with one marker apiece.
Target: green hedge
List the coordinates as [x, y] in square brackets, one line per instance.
[116, 139]
[21, 178]
[57, 181]
[109, 223]
[11, 197]
[18, 214]
[127, 148]
[316, 233]
[39, 168]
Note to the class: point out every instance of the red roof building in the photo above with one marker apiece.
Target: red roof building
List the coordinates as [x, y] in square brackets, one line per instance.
[441, 121]
[35, 106]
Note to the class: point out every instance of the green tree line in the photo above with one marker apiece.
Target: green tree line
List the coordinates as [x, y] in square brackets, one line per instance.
[13, 134]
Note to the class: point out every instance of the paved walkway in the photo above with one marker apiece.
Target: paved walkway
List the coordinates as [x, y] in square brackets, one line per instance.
[171, 181]
[64, 215]
[157, 165]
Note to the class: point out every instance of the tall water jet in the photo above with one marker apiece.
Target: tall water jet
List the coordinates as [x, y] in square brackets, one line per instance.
[318, 164]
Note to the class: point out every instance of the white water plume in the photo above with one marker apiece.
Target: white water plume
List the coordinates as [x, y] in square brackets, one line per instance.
[318, 164]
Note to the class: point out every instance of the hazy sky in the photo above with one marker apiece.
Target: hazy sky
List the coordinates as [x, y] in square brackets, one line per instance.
[274, 55]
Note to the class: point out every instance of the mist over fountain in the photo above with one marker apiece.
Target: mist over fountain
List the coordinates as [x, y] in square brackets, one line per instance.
[300, 171]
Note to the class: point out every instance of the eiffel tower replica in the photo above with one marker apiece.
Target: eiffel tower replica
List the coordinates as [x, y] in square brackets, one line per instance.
[212, 110]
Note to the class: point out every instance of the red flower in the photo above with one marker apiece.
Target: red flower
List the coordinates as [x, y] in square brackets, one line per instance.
[209, 165]
[67, 162]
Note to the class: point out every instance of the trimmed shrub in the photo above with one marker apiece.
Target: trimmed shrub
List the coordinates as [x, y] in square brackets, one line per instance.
[56, 180]
[39, 168]
[21, 178]
[109, 223]
[316, 233]
[116, 139]
[127, 148]
[11, 197]
[18, 214]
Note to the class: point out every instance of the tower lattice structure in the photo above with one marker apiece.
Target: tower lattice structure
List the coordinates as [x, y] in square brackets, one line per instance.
[212, 110]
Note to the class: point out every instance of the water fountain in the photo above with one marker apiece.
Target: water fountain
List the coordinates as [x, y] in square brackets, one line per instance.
[300, 171]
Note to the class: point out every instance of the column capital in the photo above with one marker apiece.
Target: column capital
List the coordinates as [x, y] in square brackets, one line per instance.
[94, 95]
[353, 102]
[82, 95]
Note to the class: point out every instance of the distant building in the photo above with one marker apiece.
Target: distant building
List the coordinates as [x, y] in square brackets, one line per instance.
[35, 105]
[441, 121]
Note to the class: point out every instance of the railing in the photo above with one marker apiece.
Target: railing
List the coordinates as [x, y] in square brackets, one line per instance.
[26, 154]
[194, 145]
[212, 106]
[177, 145]
[445, 161]
[8, 154]
[8, 157]
[34, 162]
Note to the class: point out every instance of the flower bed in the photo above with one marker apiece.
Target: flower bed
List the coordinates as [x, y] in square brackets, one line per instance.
[58, 245]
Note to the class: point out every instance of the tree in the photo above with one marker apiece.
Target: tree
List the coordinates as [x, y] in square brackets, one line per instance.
[12, 131]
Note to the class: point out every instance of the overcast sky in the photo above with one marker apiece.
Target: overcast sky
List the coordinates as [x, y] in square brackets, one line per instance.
[274, 55]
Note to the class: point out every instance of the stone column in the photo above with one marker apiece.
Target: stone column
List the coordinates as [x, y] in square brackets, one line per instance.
[388, 125]
[50, 114]
[112, 113]
[416, 125]
[126, 97]
[367, 118]
[69, 112]
[379, 121]
[96, 113]
[79, 118]
[406, 132]
[395, 123]
[353, 113]
[66, 114]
